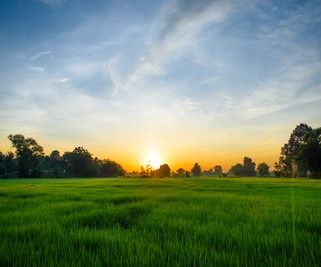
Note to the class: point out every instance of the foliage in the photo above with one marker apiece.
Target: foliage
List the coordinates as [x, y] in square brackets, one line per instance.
[28, 152]
[309, 154]
[79, 162]
[237, 169]
[247, 169]
[109, 168]
[180, 172]
[163, 171]
[7, 164]
[218, 169]
[196, 170]
[288, 165]
[263, 169]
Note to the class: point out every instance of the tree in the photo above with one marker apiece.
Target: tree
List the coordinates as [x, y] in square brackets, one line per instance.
[2, 168]
[164, 171]
[54, 165]
[149, 169]
[180, 172]
[218, 169]
[196, 170]
[7, 164]
[247, 169]
[237, 169]
[288, 164]
[111, 168]
[309, 154]
[263, 169]
[28, 152]
[79, 163]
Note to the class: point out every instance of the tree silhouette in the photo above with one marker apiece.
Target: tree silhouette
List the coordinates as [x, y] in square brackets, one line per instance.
[180, 172]
[164, 171]
[28, 152]
[110, 168]
[289, 164]
[247, 169]
[309, 154]
[218, 169]
[196, 170]
[79, 163]
[263, 169]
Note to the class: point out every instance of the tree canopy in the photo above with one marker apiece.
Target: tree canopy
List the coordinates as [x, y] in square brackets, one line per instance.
[289, 165]
[247, 169]
[263, 169]
[309, 154]
[28, 152]
[196, 170]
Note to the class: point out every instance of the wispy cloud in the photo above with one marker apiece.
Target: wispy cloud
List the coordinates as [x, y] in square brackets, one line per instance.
[184, 104]
[40, 54]
[209, 80]
[37, 69]
[52, 3]
[176, 31]
[291, 88]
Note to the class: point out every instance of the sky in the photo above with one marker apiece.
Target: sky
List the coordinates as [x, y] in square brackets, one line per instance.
[174, 82]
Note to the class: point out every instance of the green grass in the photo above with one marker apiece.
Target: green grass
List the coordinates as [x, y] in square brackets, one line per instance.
[160, 222]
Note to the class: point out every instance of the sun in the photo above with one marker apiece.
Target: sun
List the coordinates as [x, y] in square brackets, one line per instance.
[154, 159]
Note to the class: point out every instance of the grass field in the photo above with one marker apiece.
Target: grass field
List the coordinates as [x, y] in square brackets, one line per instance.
[160, 222]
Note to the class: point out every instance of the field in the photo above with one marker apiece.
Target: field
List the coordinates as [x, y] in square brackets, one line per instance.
[160, 222]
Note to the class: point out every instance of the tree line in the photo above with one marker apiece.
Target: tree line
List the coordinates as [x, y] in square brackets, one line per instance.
[29, 161]
[301, 156]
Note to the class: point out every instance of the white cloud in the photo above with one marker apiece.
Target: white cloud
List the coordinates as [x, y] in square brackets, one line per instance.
[37, 69]
[291, 88]
[176, 32]
[52, 3]
[40, 54]
[185, 104]
[209, 80]
[114, 75]
[59, 80]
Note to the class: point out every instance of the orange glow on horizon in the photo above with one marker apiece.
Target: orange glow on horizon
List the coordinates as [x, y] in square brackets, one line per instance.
[132, 157]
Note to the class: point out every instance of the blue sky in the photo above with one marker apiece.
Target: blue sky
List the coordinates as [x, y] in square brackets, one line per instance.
[189, 81]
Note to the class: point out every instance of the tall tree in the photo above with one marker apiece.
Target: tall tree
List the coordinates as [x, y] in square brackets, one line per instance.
[309, 154]
[248, 167]
[196, 170]
[288, 164]
[28, 152]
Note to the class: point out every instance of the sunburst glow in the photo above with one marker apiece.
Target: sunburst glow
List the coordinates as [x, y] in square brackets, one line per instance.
[154, 159]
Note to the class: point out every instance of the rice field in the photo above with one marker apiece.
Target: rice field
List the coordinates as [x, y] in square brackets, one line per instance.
[160, 222]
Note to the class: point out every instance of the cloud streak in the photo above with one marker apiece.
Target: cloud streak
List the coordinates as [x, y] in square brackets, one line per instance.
[40, 54]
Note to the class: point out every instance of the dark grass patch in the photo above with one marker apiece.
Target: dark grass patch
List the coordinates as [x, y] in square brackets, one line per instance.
[75, 198]
[124, 217]
[27, 195]
[127, 200]
[129, 218]
[2, 194]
